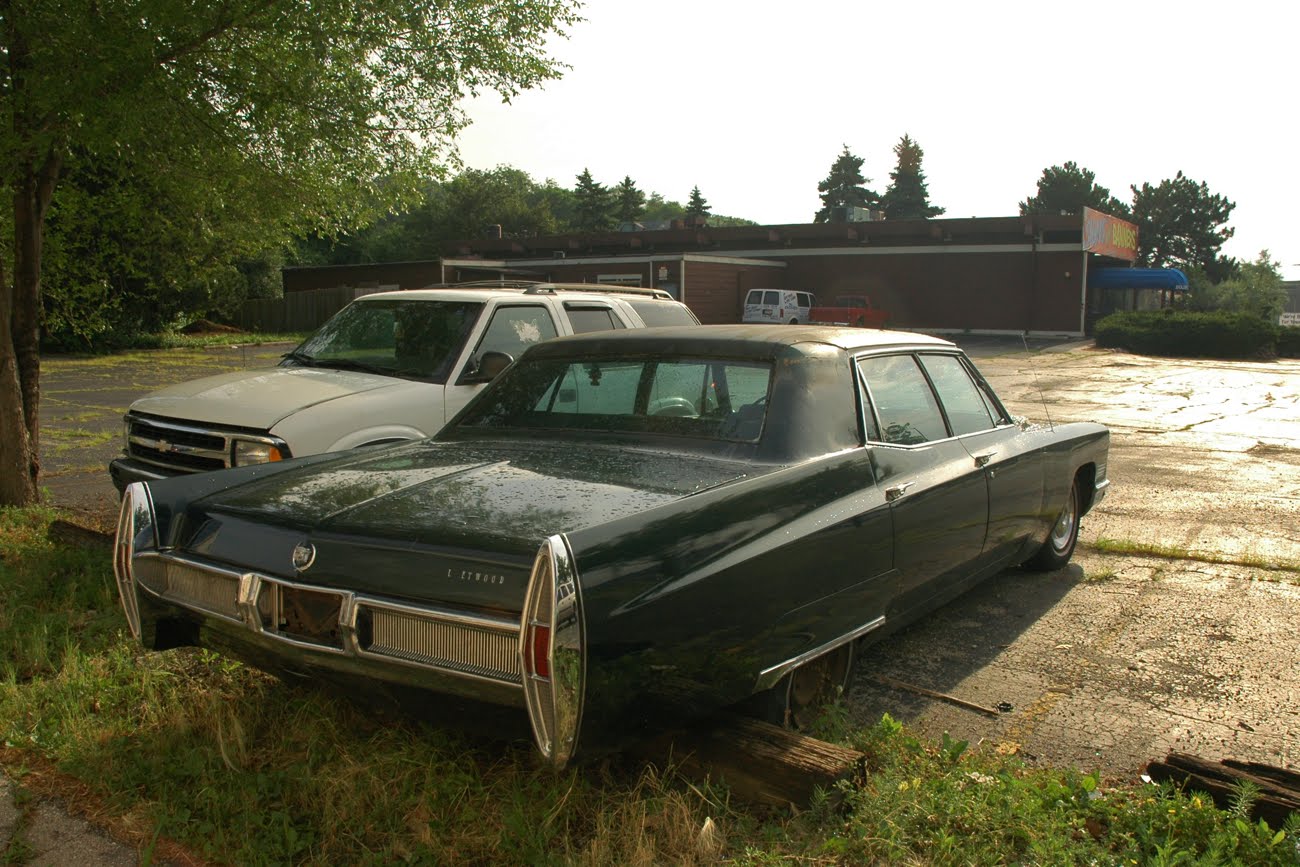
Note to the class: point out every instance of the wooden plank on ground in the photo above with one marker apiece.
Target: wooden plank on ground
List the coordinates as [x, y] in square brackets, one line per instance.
[760, 763]
[75, 534]
[1278, 799]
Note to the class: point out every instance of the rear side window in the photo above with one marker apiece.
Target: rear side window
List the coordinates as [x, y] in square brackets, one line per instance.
[902, 400]
[594, 318]
[655, 313]
[962, 401]
[772, 298]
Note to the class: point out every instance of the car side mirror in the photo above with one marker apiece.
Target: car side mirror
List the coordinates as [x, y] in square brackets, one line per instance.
[489, 367]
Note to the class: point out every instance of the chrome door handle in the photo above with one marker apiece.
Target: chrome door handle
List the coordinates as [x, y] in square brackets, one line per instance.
[893, 493]
[982, 460]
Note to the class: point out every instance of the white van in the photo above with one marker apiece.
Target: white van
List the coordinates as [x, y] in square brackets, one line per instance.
[778, 305]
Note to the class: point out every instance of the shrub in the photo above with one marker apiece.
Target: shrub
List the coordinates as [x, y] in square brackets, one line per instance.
[1288, 342]
[1216, 334]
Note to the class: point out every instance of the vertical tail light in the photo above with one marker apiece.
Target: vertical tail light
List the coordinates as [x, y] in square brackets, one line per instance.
[135, 528]
[552, 652]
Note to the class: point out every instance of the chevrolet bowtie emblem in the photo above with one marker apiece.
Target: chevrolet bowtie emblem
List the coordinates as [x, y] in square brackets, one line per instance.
[304, 554]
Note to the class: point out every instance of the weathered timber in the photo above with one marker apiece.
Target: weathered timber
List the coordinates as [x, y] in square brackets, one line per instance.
[1278, 797]
[760, 763]
[75, 534]
[942, 696]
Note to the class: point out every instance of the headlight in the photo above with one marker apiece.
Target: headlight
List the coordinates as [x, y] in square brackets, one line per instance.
[135, 530]
[246, 452]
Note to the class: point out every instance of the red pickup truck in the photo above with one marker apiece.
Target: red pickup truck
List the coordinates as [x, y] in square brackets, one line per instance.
[849, 310]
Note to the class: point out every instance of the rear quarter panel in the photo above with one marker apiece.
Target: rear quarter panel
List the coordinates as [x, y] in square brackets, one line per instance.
[685, 606]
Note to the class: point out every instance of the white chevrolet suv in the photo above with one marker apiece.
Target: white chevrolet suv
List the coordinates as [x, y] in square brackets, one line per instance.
[388, 367]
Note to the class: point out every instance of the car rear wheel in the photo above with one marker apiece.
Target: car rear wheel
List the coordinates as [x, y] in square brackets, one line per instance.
[1059, 547]
[793, 322]
[800, 697]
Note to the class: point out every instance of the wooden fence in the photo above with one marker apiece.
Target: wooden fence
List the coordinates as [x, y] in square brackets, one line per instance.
[300, 311]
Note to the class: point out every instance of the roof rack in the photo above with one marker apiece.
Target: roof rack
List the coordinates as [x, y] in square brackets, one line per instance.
[542, 287]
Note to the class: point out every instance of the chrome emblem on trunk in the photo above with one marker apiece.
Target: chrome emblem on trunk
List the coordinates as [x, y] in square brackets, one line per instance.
[304, 554]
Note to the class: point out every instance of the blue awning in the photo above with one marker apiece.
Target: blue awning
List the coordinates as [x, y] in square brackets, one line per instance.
[1137, 278]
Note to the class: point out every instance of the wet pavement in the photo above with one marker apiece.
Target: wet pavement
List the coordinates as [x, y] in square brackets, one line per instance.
[1177, 626]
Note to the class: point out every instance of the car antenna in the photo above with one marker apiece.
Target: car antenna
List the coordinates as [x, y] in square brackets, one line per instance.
[1034, 369]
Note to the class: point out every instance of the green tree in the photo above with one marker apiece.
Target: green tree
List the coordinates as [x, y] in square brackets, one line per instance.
[1068, 189]
[630, 201]
[697, 206]
[282, 113]
[1255, 288]
[659, 208]
[845, 187]
[907, 197]
[1181, 224]
[593, 205]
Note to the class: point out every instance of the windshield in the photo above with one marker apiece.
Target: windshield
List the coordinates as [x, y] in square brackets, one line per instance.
[413, 338]
[704, 398]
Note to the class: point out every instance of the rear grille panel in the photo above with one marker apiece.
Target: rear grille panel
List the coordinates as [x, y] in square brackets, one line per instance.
[184, 583]
[416, 638]
[469, 645]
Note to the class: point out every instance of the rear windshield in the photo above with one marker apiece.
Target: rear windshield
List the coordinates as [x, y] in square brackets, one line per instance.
[656, 313]
[420, 339]
[702, 398]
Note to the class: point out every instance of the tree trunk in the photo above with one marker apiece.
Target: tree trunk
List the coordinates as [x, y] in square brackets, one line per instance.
[35, 173]
[17, 486]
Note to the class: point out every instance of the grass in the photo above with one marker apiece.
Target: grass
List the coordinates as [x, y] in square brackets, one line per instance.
[177, 340]
[236, 767]
[1170, 552]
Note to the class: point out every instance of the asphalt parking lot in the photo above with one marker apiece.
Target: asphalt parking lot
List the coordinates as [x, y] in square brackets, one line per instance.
[1177, 626]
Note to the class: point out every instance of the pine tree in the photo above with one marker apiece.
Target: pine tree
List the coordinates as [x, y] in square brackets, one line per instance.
[697, 206]
[845, 187]
[592, 205]
[907, 197]
[1068, 189]
[1181, 224]
[630, 201]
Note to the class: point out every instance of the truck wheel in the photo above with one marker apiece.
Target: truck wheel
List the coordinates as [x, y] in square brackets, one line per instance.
[793, 322]
[862, 322]
[1059, 547]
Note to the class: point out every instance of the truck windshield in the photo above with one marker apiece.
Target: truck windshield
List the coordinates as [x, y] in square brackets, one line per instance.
[712, 399]
[419, 339]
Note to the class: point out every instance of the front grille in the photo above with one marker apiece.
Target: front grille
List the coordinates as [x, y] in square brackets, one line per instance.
[422, 639]
[185, 448]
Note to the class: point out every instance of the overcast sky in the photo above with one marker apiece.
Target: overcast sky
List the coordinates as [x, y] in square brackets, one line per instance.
[752, 100]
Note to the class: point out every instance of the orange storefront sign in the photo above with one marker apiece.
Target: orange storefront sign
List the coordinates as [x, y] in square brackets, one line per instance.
[1109, 236]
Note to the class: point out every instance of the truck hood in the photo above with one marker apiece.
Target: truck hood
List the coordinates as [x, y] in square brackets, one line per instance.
[412, 520]
[260, 398]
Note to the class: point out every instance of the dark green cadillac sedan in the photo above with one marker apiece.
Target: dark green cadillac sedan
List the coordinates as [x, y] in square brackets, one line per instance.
[623, 529]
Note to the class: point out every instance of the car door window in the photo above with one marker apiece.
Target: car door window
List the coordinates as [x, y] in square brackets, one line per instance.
[772, 299]
[903, 402]
[591, 317]
[514, 328]
[961, 399]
